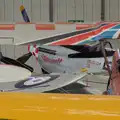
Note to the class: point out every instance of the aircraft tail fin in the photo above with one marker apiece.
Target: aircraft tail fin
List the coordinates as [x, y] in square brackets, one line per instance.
[24, 14]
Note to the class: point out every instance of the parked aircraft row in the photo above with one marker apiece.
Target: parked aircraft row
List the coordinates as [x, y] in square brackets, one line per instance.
[60, 54]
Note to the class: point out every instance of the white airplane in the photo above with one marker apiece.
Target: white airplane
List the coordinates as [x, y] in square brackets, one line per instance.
[65, 59]
[69, 52]
[17, 77]
[71, 58]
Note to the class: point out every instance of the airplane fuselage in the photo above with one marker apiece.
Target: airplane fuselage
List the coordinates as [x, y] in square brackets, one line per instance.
[67, 60]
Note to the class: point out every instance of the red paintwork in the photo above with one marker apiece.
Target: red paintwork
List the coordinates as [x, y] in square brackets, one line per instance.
[84, 26]
[82, 37]
[7, 27]
[45, 26]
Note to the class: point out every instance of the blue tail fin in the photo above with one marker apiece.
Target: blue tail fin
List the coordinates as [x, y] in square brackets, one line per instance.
[24, 14]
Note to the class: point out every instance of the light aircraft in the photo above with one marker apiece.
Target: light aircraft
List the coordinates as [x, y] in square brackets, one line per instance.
[64, 59]
[23, 106]
[52, 106]
[45, 105]
[20, 78]
[69, 52]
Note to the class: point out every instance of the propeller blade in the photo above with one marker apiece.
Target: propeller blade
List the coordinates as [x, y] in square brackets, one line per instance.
[23, 59]
[7, 60]
[24, 14]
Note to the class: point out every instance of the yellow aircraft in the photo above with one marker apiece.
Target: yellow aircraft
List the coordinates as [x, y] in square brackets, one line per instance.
[24, 106]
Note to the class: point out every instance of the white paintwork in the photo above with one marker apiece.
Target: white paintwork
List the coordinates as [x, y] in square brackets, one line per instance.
[36, 80]
[61, 81]
[9, 73]
[5, 40]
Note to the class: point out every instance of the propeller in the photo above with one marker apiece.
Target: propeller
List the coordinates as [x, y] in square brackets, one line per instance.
[24, 58]
[7, 60]
[24, 14]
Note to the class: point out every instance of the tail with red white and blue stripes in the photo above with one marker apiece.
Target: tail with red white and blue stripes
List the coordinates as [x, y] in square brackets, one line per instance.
[108, 30]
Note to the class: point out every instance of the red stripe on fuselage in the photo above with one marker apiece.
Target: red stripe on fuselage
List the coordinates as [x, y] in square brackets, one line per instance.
[81, 37]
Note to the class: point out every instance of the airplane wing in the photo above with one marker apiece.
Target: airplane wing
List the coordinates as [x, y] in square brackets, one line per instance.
[103, 30]
[24, 106]
[40, 83]
[19, 34]
[13, 73]
[57, 34]
[89, 33]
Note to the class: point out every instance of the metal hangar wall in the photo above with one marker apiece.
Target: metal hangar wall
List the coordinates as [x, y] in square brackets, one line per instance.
[39, 10]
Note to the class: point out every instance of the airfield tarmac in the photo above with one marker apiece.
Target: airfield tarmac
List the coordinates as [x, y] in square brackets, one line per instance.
[97, 84]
